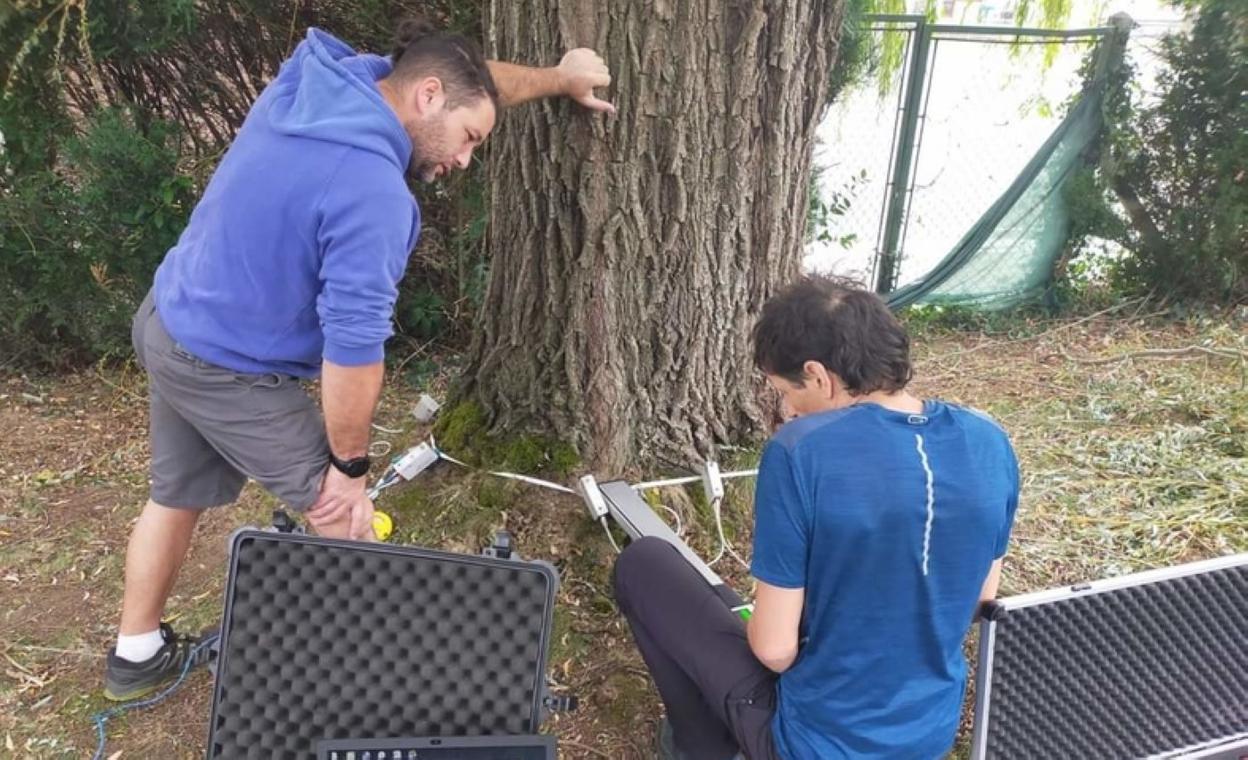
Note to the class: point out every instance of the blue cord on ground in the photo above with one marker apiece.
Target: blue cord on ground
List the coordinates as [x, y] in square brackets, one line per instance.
[104, 716]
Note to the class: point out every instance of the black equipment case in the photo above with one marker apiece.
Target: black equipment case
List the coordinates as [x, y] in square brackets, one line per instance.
[328, 640]
[1149, 665]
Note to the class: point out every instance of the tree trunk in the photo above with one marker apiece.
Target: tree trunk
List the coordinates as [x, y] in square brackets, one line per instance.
[1150, 235]
[631, 253]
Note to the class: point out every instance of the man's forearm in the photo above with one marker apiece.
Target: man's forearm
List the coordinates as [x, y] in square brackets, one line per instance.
[518, 84]
[349, 397]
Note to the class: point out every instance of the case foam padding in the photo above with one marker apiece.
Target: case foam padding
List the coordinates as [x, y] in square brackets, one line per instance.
[1124, 673]
[329, 639]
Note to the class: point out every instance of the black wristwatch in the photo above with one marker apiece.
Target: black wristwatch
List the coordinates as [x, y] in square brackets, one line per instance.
[352, 468]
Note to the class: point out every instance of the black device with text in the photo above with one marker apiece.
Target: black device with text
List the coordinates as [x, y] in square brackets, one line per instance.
[440, 748]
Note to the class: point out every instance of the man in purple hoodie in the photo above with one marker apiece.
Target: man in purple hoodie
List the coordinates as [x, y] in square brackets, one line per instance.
[288, 269]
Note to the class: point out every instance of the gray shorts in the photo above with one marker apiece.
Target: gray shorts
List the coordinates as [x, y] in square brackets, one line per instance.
[213, 428]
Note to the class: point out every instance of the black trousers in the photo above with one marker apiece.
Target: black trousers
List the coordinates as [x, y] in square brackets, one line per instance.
[720, 699]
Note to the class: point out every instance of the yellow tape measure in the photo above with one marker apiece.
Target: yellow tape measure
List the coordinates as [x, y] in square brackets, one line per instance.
[383, 526]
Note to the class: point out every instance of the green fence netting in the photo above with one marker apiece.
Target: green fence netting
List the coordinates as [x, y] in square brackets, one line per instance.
[1007, 258]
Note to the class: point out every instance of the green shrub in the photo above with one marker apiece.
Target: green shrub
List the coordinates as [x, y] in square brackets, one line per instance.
[1172, 183]
[102, 150]
[80, 245]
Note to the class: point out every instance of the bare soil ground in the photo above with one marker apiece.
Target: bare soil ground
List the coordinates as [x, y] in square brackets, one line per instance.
[1132, 459]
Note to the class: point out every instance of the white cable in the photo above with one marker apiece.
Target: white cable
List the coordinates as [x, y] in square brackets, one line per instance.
[434, 445]
[744, 565]
[379, 448]
[509, 475]
[691, 479]
[669, 482]
[607, 529]
[532, 481]
[381, 429]
[724, 546]
[675, 514]
[719, 530]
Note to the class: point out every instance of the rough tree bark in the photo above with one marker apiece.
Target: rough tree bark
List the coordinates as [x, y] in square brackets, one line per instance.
[630, 254]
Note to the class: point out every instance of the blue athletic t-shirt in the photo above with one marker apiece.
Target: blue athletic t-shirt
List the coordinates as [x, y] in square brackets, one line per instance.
[890, 522]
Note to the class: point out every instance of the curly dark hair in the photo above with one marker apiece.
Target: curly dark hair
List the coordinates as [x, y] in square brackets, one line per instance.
[850, 331]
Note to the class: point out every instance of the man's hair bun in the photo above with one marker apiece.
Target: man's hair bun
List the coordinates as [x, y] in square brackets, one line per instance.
[410, 31]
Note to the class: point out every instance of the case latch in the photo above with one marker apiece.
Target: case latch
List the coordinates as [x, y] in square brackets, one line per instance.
[284, 523]
[561, 703]
[503, 546]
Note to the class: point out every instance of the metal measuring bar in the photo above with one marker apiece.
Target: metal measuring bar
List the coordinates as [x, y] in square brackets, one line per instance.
[637, 519]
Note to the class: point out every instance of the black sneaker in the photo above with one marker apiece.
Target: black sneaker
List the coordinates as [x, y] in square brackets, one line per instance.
[125, 680]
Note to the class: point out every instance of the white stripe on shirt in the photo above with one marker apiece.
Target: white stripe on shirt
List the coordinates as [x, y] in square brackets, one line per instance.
[931, 498]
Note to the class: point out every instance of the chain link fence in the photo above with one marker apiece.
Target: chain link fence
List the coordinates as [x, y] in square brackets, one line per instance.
[937, 129]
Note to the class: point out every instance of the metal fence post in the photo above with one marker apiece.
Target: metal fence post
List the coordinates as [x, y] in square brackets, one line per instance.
[896, 200]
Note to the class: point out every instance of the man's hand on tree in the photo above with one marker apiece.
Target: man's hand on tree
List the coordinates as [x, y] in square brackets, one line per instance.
[580, 71]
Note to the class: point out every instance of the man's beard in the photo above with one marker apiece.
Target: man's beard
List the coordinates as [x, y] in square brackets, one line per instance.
[425, 143]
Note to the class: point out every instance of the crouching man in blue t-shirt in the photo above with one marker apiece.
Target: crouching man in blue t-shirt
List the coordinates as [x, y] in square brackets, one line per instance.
[880, 524]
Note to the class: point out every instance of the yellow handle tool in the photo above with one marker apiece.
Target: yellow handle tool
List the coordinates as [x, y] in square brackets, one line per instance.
[383, 526]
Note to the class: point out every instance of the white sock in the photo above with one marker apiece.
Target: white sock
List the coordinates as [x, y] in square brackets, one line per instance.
[140, 646]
